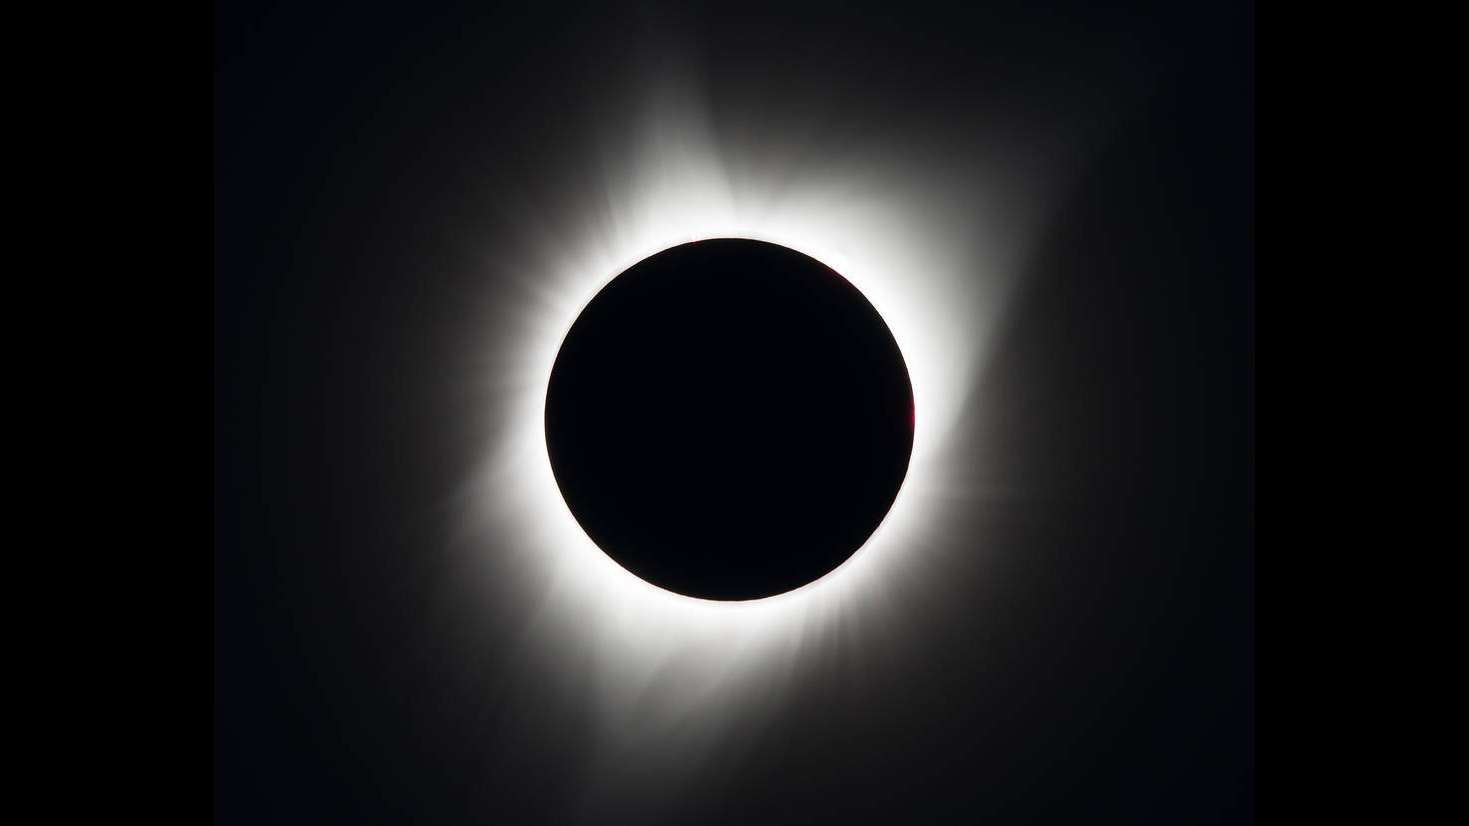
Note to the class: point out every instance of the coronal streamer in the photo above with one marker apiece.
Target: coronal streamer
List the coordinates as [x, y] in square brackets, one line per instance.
[932, 240]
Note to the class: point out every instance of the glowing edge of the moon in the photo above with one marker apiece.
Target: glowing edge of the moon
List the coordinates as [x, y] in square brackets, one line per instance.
[893, 223]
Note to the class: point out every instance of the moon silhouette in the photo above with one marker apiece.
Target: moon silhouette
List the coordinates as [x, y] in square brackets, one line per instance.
[729, 419]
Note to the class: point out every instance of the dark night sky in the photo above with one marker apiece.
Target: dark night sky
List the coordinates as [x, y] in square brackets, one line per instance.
[1098, 667]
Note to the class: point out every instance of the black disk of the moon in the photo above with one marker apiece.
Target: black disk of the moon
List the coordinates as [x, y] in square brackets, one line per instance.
[729, 419]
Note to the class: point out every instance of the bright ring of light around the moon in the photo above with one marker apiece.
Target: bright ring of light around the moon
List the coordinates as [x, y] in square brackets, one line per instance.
[921, 241]
[729, 419]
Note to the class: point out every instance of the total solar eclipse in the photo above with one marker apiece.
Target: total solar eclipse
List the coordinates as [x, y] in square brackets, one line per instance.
[729, 419]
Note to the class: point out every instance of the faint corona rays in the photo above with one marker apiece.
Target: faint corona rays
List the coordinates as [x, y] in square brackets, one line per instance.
[909, 231]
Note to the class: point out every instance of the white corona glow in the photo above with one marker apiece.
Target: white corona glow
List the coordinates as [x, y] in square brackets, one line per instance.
[931, 251]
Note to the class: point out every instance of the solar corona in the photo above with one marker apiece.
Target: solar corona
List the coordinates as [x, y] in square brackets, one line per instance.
[716, 400]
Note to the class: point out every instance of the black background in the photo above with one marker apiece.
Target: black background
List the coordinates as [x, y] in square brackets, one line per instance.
[1098, 668]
